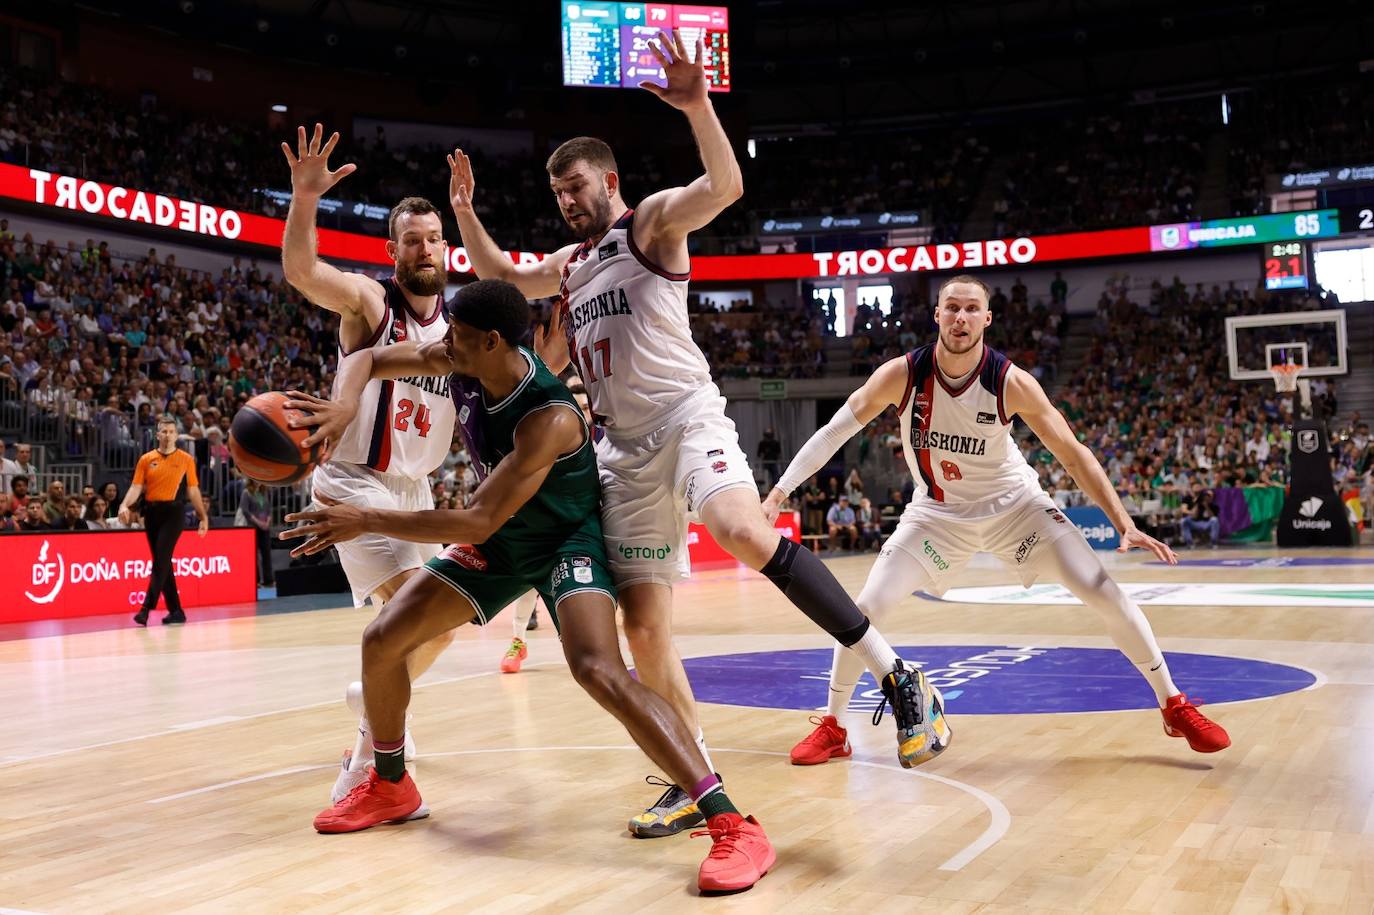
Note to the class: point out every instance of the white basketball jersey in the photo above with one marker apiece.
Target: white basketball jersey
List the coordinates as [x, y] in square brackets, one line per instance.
[404, 425]
[626, 322]
[957, 441]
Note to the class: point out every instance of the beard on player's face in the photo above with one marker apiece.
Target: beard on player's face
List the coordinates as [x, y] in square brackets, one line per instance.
[416, 279]
[592, 220]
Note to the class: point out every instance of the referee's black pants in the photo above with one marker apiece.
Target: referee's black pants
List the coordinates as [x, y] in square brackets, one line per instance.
[163, 523]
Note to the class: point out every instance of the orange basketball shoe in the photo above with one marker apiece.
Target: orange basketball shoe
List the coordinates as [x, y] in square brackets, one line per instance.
[371, 802]
[517, 652]
[740, 854]
[828, 741]
[1182, 719]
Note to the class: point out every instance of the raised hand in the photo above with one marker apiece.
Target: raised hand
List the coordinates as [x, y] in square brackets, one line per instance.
[460, 182]
[310, 174]
[686, 87]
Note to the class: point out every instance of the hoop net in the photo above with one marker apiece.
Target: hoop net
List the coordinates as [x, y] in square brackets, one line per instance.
[1286, 376]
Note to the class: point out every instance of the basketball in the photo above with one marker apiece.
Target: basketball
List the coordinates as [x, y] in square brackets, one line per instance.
[264, 447]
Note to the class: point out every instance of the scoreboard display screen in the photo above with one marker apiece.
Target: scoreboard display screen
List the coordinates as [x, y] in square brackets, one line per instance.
[1285, 265]
[607, 44]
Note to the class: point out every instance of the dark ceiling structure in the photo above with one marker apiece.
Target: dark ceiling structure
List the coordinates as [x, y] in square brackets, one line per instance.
[806, 65]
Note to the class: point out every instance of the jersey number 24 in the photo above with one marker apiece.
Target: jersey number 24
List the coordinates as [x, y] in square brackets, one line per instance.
[407, 411]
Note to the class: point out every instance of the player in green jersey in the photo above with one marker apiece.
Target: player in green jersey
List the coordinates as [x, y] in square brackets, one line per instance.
[533, 522]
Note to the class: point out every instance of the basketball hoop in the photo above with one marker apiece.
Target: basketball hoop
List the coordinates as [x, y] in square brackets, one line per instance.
[1286, 376]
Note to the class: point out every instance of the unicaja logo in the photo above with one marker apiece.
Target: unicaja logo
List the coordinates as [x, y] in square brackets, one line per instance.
[1309, 520]
[47, 573]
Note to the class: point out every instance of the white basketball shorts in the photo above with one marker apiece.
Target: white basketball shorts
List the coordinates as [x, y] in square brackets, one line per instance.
[654, 484]
[943, 543]
[371, 560]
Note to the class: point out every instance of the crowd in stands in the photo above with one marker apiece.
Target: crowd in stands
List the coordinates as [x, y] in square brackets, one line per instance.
[762, 339]
[1061, 171]
[1090, 171]
[94, 348]
[1153, 400]
[25, 508]
[939, 170]
[1291, 129]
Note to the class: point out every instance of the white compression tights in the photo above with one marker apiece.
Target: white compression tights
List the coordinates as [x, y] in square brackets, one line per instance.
[1068, 560]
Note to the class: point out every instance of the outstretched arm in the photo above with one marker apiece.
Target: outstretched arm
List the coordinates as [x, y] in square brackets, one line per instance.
[540, 439]
[1024, 397]
[331, 418]
[489, 262]
[670, 215]
[887, 386]
[328, 287]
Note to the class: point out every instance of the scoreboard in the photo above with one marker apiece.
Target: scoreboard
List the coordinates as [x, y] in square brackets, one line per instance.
[606, 44]
[1285, 265]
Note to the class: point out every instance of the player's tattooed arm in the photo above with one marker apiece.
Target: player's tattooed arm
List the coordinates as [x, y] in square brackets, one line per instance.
[349, 294]
[540, 440]
[331, 418]
[489, 262]
[1023, 396]
[887, 386]
[670, 215]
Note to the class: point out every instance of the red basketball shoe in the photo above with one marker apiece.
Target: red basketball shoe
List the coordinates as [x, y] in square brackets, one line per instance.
[516, 653]
[740, 854]
[828, 741]
[373, 801]
[1182, 719]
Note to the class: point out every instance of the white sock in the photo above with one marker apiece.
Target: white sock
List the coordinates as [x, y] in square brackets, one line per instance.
[362, 748]
[845, 669]
[701, 745]
[521, 611]
[876, 654]
[1156, 671]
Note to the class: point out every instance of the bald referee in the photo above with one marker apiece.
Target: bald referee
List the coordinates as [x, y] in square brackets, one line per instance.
[164, 474]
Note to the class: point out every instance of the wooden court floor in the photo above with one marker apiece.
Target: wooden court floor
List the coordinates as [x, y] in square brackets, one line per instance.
[178, 770]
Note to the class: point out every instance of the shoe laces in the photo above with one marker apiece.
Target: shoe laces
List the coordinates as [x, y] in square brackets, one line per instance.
[355, 793]
[822, 732]
[1188, 711]
[515, 647]
[906, 704]
[663, 798]
[722, 840]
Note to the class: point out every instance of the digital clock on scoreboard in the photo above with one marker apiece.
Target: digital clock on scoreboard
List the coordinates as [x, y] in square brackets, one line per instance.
[607, 44]
[1285, 265]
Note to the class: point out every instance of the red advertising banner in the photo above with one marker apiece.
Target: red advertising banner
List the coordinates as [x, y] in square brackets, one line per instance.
[702, 547]
[57, 575]
[118, 203]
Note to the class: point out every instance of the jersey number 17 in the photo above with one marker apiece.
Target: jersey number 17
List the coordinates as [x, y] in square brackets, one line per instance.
[587, 367]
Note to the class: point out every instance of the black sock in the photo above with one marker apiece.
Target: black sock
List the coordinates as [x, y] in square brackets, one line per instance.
[808, 584]
[390, 759]
[714, 803]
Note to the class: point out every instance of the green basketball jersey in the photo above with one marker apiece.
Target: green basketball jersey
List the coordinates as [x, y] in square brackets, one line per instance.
[569, 495]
